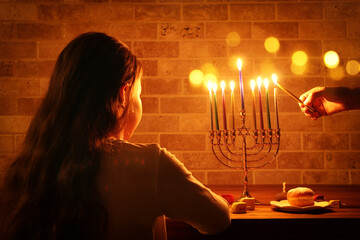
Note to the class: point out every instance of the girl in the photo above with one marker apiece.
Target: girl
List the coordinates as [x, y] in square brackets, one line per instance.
[78, 178]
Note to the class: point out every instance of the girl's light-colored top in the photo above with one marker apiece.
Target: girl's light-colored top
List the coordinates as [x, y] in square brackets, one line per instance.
[140, 182]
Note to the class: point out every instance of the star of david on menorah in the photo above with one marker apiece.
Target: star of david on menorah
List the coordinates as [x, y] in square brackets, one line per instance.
[238, 146]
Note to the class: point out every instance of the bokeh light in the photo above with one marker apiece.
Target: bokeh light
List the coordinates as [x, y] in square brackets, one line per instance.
[233, 39]
[331, 59]
[299, 58]
[210, 77]
[196, 77]
[272, 44]
[209, 68]
[352, 67]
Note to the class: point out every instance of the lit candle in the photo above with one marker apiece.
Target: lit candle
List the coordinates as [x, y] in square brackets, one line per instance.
[222, 84]
[239, 64]
[232, 86]
[274, 79]
[215, 105]
[252, 85]
[209, 85]
[266, 85]
[260, 103]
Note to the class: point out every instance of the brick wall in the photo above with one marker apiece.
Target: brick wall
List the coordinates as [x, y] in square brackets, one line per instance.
[174, 37]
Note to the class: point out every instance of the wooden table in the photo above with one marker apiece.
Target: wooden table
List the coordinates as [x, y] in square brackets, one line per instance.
[266, 223]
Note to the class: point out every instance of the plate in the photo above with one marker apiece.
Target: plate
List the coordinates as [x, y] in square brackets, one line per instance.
[285, 206]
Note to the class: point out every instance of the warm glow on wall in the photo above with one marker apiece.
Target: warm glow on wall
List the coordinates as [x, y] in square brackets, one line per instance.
[210, 77]
[298, 70]
[233, 39]
[352, 67]
[271, 44]
[196, 77]
[299, 58]
[337, 73]
[331, 59]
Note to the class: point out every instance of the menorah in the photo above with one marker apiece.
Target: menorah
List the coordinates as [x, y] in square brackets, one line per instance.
[241, 147]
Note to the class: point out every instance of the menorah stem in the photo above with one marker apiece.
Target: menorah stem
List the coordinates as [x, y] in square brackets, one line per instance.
[245, 192]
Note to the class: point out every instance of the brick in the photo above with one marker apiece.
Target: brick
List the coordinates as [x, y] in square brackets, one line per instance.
[275, 29]
[51, 49]
[150, 104]
[111, 12]
[290, 141]
[6, 68]
[208, 12]
[355, 177]
[277, 176]
[299, 11]
[18, 12]
[158, 123]
[128, 31]
[39, 31]
[19, 87]
[229, 177]
[157, 12]
[336, 177]
[219, 30]
[19, 140]
[195, 123]
[311, 47]
[161, 86]
[63, 12]
[353, 29]
[350, 82]
[150, 67]
[339, 10]
[301, 160]
[355, 141]
[182, 105]
[200, 160]
[5, 161]
[326, 141]
[298, 122]
[203, 49]
[328, 29]
[34, 68]
[28, 106]
[250, 49]
[200, 176]
[175, 31]
[17, 50]
[345, 121]
[7, 143]
[345, 48]
[252, 12]
[156, 49]
[14, 124]
[145, 138]
[176, 68]
[7, 30]
[72, 30]
[183, 142]
[7, 106]
[137, 1]
[342, 160]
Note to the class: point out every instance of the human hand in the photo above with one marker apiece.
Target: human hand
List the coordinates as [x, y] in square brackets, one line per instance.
[325, 101]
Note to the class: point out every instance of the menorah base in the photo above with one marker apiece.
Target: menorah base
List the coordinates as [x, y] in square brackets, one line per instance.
[246, 194]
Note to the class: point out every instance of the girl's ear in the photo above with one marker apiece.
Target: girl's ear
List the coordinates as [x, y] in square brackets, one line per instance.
[124, 90]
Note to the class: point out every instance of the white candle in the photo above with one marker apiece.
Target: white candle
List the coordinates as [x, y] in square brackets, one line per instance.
[252, 85]
[274, 79]
[232, 86]
[259, 81]
[209, 85]
[222, 85]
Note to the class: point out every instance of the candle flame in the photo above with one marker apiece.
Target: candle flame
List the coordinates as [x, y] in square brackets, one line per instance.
[209, 85]
[252, 84]
[259, 81]
[222, 85]
[214, 87]
[266, 83]
[274, 78]
[232, 85]
[239, 64]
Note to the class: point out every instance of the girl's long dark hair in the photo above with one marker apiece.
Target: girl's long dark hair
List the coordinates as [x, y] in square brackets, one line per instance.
[50, 190]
